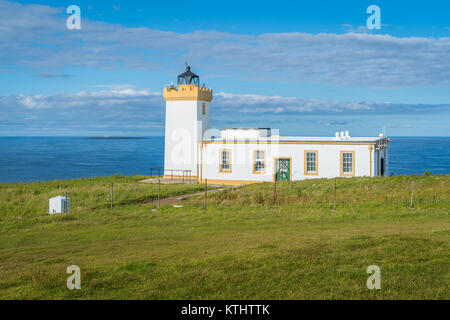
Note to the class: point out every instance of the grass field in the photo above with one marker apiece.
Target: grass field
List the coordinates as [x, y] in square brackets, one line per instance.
[242, 247]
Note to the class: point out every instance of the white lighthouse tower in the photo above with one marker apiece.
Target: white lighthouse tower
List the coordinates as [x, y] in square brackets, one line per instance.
[187, 123]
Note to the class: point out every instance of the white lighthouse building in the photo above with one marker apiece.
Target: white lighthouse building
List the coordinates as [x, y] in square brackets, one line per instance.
[187, 124]
[251, 155]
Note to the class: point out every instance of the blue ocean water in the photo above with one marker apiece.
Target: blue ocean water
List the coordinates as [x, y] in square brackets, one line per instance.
[48, 158]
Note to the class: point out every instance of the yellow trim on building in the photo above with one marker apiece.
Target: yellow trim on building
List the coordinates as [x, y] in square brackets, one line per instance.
[253, 164]
[220, 161]
[231, 182]
[288, 142]
[187, 92]
[305, 172]
[353, 167]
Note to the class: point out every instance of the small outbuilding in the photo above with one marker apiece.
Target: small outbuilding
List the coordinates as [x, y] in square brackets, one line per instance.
[59, 204]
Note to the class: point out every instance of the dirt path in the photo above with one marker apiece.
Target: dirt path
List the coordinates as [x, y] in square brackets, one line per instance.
[178, 199]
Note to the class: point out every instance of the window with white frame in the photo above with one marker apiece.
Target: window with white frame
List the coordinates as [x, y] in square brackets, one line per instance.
[259, 161]
[311, 162]
[203, 108]
[225, 163]
[347, 162]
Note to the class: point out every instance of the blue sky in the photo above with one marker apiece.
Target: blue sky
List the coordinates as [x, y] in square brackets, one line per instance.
[306, 67]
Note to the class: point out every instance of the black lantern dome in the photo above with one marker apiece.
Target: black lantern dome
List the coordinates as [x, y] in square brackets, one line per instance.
[188, 77]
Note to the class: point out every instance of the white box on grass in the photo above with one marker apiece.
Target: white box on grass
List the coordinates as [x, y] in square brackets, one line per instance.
[59, 204]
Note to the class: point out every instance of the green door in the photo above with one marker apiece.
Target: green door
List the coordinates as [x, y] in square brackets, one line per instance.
[283, 169]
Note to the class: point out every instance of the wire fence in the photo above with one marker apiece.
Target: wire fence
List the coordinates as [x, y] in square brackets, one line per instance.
[332, 193]
[185, 176]
[339, 193]
[110, 193]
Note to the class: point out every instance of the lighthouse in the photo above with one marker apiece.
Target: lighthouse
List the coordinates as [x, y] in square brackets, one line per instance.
[252, 155]
[187, 124]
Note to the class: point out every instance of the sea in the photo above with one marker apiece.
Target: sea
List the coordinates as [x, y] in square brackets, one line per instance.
[25, 159]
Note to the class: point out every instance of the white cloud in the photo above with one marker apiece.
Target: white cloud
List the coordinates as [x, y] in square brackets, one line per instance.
[241, 103]
[113, 86]
[253, 103]
[35, 36]
[111, 98]
[358, 29]
[28, 102]
[142, 112]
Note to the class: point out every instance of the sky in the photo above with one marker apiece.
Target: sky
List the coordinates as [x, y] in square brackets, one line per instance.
[307, 68]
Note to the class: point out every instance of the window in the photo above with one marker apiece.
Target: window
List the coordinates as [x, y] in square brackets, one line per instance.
[203, 108]
[347, 163]
[225, 161]
[311, 162]
[259, 161]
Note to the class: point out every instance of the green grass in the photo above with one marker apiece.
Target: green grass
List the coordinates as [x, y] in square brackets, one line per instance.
[86, 195]
[241, 247]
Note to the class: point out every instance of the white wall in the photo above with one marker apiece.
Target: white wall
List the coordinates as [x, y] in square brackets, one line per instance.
[243, 133]
[185, 127]
[242, 160]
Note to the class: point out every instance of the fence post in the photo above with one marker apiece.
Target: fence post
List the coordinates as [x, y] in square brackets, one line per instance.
[206, 193]
[275, 190]
[65, 202]
[334, 201]
[112, 195]
[159, 192]
[412, 195]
